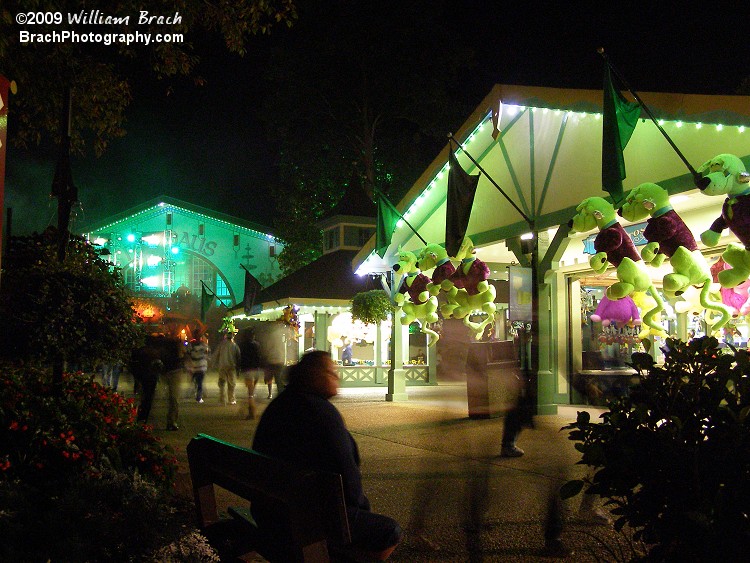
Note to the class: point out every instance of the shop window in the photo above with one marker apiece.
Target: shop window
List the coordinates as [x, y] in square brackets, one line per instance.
[357, 236]
[331, 239]
[200, 271]
[606, 345]
[365, 233]
[222, 291]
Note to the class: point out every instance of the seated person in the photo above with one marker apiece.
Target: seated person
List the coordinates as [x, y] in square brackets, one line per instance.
[346, 354]
[303, 428]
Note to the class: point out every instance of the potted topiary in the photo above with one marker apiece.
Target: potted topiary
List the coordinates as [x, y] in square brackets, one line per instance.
[372, 306]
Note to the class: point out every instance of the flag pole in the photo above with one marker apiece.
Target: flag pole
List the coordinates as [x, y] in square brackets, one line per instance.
[255, 289]
[699, 180]
[205, 287]
[381, 194]
[479, 167]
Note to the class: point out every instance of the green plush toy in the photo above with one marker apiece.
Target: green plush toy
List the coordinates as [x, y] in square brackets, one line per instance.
[614, 246]
[728, 176]
[669, 238]
[411, 295]
[467, 290]
[435, 257]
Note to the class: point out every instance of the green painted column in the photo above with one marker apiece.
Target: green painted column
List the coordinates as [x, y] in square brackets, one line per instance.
[396, 373]
[321, 331]
[380, 369]
[431, 359]
[546, 376]
[682, 326]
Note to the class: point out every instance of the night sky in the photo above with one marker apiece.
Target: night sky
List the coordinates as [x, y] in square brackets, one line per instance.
[206, 146]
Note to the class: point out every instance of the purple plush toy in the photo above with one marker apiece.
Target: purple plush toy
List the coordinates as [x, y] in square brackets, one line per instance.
[619, 312]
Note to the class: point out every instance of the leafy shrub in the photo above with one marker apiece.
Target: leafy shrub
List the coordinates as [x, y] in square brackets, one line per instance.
[78, 310]
[673, 458]
[52, 438]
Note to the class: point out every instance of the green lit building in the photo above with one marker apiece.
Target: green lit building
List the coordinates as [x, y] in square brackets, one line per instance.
[165, 245]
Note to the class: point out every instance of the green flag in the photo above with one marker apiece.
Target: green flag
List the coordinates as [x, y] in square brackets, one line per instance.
[207, 296]
[620, 119]
[388, 216]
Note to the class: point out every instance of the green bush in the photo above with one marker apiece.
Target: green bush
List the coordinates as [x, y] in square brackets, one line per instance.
[50, 438]
[82, 480]
[77, 311]
[673, 458]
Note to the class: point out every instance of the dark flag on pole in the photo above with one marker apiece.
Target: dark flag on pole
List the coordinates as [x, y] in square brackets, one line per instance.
[252, 288]
[461, 190]
[620, 119]
[388, 216]
[207, 296]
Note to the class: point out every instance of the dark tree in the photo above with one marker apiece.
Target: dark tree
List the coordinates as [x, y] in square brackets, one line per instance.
[362, 92]
[100, 74]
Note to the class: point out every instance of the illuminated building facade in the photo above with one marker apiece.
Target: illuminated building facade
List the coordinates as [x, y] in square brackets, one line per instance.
[166, 244]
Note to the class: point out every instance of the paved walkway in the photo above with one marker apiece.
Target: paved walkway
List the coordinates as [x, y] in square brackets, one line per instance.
[435, 470]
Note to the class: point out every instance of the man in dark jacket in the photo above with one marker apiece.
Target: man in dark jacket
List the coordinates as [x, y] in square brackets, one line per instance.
[146, 365]
[251, 365]
[303, 428]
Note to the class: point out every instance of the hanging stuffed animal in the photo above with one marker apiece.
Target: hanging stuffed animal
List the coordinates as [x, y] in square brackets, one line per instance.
[645, 302]
[728, 176]
[420, 306]
[434, 257]
[475, 294]
[735, 298]
[620, 313]
[669, 238]
[613, 245]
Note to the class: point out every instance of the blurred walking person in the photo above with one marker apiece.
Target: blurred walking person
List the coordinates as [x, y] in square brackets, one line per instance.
[197, 362]
[173, 351]
[273, 349]
[146, 366]
[250, 367]
[226, 358]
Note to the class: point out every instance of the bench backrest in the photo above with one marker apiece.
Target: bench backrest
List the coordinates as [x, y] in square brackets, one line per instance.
[311, 501]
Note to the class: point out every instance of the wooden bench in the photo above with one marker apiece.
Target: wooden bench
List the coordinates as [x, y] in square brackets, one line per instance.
[309, 514]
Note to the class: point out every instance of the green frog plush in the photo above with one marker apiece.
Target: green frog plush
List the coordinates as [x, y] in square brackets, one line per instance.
[614, 246]
[411, 295]
[670, 239]
[727, 176]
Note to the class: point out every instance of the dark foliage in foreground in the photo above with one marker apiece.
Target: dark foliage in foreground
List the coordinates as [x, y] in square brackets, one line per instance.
[673, 458]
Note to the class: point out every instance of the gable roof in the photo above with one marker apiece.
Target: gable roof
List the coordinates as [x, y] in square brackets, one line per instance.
[157, 204]
[542, 146]
[330, 277]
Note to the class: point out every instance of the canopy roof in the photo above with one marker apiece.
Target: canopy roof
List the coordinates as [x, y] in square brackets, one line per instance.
[326, 283]
[543, 147]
